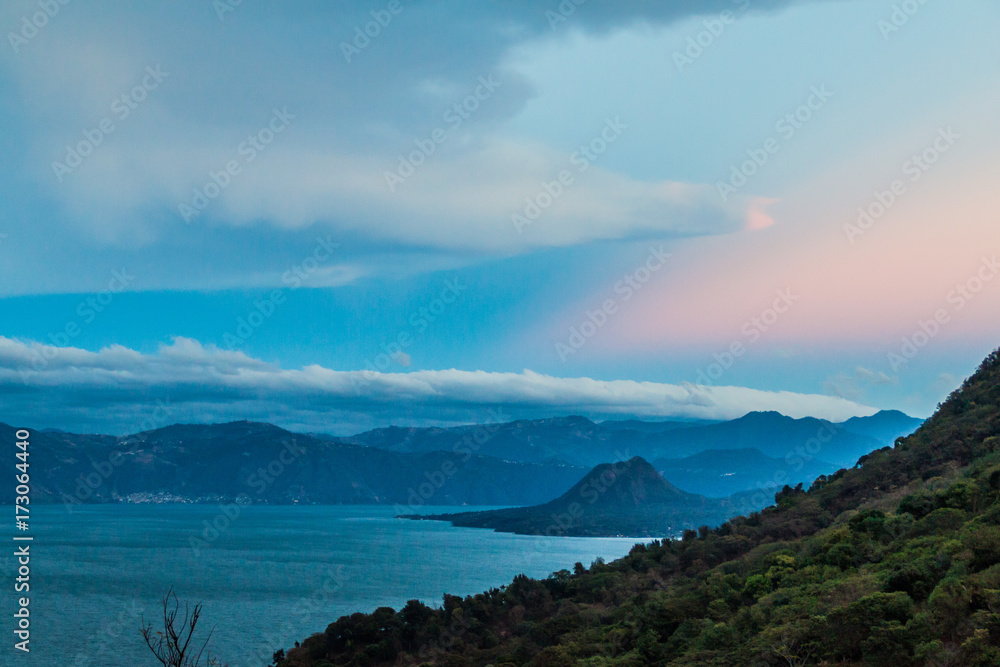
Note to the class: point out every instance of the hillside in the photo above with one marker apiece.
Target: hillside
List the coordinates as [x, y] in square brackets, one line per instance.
[893, 562]
[266, 464]
[627, 498]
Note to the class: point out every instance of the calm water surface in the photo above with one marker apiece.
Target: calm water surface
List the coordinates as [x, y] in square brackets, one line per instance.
[273, 576]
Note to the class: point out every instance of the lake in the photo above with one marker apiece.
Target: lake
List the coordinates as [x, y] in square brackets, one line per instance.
[272, 576]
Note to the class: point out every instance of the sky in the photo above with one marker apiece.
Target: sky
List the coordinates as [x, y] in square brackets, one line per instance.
[337, 216]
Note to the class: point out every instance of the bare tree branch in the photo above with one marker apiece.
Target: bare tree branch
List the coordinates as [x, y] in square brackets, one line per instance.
[170, 646]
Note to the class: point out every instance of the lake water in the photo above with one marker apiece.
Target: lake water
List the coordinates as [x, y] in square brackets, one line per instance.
[273, 576]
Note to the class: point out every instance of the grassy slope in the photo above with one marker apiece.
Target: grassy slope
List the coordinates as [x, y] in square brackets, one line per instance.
[894, 562]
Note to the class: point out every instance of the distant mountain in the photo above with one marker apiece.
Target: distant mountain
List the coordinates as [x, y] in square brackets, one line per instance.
[517, 463]
[772, 434]
[720, 473]
[262, 463]
[580, 442]
[886, 426]
[652, 427]
[628, 498]
[570, 440]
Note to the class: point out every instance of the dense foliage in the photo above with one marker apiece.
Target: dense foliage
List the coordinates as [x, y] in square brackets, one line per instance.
[894, 562]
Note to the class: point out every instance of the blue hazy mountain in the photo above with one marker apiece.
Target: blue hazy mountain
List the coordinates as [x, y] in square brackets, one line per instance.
[725, 472]
[261, 463]
[580, 442]
[628, 498]
[517, 463]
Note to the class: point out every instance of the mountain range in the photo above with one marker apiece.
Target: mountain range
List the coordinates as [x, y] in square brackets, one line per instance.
[525, 462]
[580, 442]
[261, 463]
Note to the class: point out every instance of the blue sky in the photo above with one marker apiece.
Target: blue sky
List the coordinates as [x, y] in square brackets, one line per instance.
[612, 125]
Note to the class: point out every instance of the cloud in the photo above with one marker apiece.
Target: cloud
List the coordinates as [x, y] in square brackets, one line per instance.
[326, 170]
[877, 379]
[459, 202]
[852, 387]
[113, 388]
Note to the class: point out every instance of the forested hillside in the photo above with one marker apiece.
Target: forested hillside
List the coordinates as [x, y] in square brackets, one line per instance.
[894, 562]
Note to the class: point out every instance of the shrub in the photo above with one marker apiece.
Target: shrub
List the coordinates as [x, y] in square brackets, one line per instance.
[916, 578]
[984, 543]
